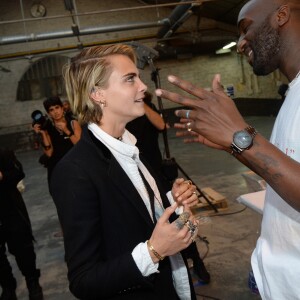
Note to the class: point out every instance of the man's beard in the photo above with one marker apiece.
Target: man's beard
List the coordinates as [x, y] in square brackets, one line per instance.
[266, 47]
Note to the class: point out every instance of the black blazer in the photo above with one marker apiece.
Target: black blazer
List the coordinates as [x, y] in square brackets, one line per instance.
[103, 218]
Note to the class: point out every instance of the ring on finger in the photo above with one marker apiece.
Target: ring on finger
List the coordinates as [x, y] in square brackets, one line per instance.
[193, 237]
[190, 225]
[188, 126]
[179, 223]
[181, 220]
[187, 114]
[184, 216]
[189, 182]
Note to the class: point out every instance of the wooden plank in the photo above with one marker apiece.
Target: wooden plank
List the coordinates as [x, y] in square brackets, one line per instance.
[217, 199]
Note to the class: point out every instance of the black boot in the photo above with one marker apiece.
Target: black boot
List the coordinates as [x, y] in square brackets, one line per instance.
[34, 289]
[8, 294]
[8, 284]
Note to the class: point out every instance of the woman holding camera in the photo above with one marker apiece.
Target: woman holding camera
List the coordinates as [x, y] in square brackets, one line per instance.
[121, 236]
[59, 133]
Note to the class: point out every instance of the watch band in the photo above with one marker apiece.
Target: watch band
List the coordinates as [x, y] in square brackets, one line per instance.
[251, 130]
[236, 149]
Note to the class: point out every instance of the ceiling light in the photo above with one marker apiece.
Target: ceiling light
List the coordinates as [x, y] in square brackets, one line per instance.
[229, 45]
[223, 51]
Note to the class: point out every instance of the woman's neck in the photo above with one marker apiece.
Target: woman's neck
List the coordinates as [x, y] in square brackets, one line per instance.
[115, 130]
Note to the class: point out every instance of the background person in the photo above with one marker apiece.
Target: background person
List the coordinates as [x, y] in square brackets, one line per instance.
[15, 231]
[58, 135]
[146, 129]
[218, 124]
[68, 110]
[119, 242]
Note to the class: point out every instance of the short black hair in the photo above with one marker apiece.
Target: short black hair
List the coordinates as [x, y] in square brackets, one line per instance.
[52, 101]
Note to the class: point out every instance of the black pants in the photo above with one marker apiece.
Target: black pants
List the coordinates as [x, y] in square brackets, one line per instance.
[20, 245]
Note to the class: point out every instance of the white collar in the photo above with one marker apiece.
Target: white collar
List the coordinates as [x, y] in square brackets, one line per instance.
[125, 147]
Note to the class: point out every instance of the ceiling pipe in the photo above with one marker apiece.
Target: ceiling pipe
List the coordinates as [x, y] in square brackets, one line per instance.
[177, 17]
[114, 10]
[85, 31]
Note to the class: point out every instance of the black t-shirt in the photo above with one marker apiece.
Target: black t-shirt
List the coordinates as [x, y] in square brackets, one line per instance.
[61, 144]
[147, 139]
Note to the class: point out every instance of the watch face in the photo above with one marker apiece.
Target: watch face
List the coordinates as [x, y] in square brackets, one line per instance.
[242, 139]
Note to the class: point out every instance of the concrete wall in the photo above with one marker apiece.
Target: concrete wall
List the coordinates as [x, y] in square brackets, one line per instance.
[15, 115]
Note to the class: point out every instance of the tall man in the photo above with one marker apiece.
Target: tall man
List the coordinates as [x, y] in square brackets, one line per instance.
[270, 38]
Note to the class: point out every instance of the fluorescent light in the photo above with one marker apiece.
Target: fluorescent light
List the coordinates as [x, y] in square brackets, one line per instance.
[223, 51]
[229, 45]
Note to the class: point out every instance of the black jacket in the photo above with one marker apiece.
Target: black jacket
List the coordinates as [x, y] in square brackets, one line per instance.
[13, 212]
[103, 218]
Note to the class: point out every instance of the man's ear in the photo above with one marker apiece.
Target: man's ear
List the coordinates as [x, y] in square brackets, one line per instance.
[283, 15]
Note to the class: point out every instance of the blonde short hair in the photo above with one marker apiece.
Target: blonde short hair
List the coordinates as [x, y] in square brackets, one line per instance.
[88, 69]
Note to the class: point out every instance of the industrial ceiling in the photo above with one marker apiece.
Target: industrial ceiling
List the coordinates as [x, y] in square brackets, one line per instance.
[191, 28]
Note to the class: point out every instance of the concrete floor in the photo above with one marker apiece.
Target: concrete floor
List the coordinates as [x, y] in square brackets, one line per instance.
[231, 235]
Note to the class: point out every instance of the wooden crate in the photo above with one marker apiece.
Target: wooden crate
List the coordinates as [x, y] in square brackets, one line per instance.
[217, 199]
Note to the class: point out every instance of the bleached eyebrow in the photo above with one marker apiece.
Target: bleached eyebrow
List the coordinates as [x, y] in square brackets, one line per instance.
[130, 74]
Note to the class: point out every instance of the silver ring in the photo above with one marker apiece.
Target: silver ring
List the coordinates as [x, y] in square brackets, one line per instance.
[194, 193]
[188, 126]
[192, 227]
[179, 223]
[187, 114]
[182, 219]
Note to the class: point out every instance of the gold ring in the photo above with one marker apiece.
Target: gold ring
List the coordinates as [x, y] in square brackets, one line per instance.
[182, 219]
[184, 216]
[189, 182]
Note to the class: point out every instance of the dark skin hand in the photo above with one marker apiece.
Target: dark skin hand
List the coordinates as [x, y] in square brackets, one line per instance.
[214, 118]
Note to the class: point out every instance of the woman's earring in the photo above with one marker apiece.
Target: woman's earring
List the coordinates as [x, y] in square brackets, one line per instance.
[102, 104]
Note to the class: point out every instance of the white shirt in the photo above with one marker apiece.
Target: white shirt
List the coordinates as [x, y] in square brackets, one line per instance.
[127, 155]
[276, 258]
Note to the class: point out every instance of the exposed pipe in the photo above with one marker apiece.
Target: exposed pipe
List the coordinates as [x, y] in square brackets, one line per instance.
[84, 31]
[177, 17]
[46, 51]
[114, 10]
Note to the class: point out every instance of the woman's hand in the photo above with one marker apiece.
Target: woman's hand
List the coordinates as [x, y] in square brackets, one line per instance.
[184, 192]
[170, 238]
[37, 128]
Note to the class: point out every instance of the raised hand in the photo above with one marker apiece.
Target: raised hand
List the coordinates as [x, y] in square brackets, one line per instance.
[214, 115]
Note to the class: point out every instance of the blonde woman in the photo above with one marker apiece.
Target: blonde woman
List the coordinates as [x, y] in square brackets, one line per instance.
[119, 237]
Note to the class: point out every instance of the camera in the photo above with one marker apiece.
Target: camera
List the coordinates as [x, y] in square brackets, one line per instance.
[38, 118]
